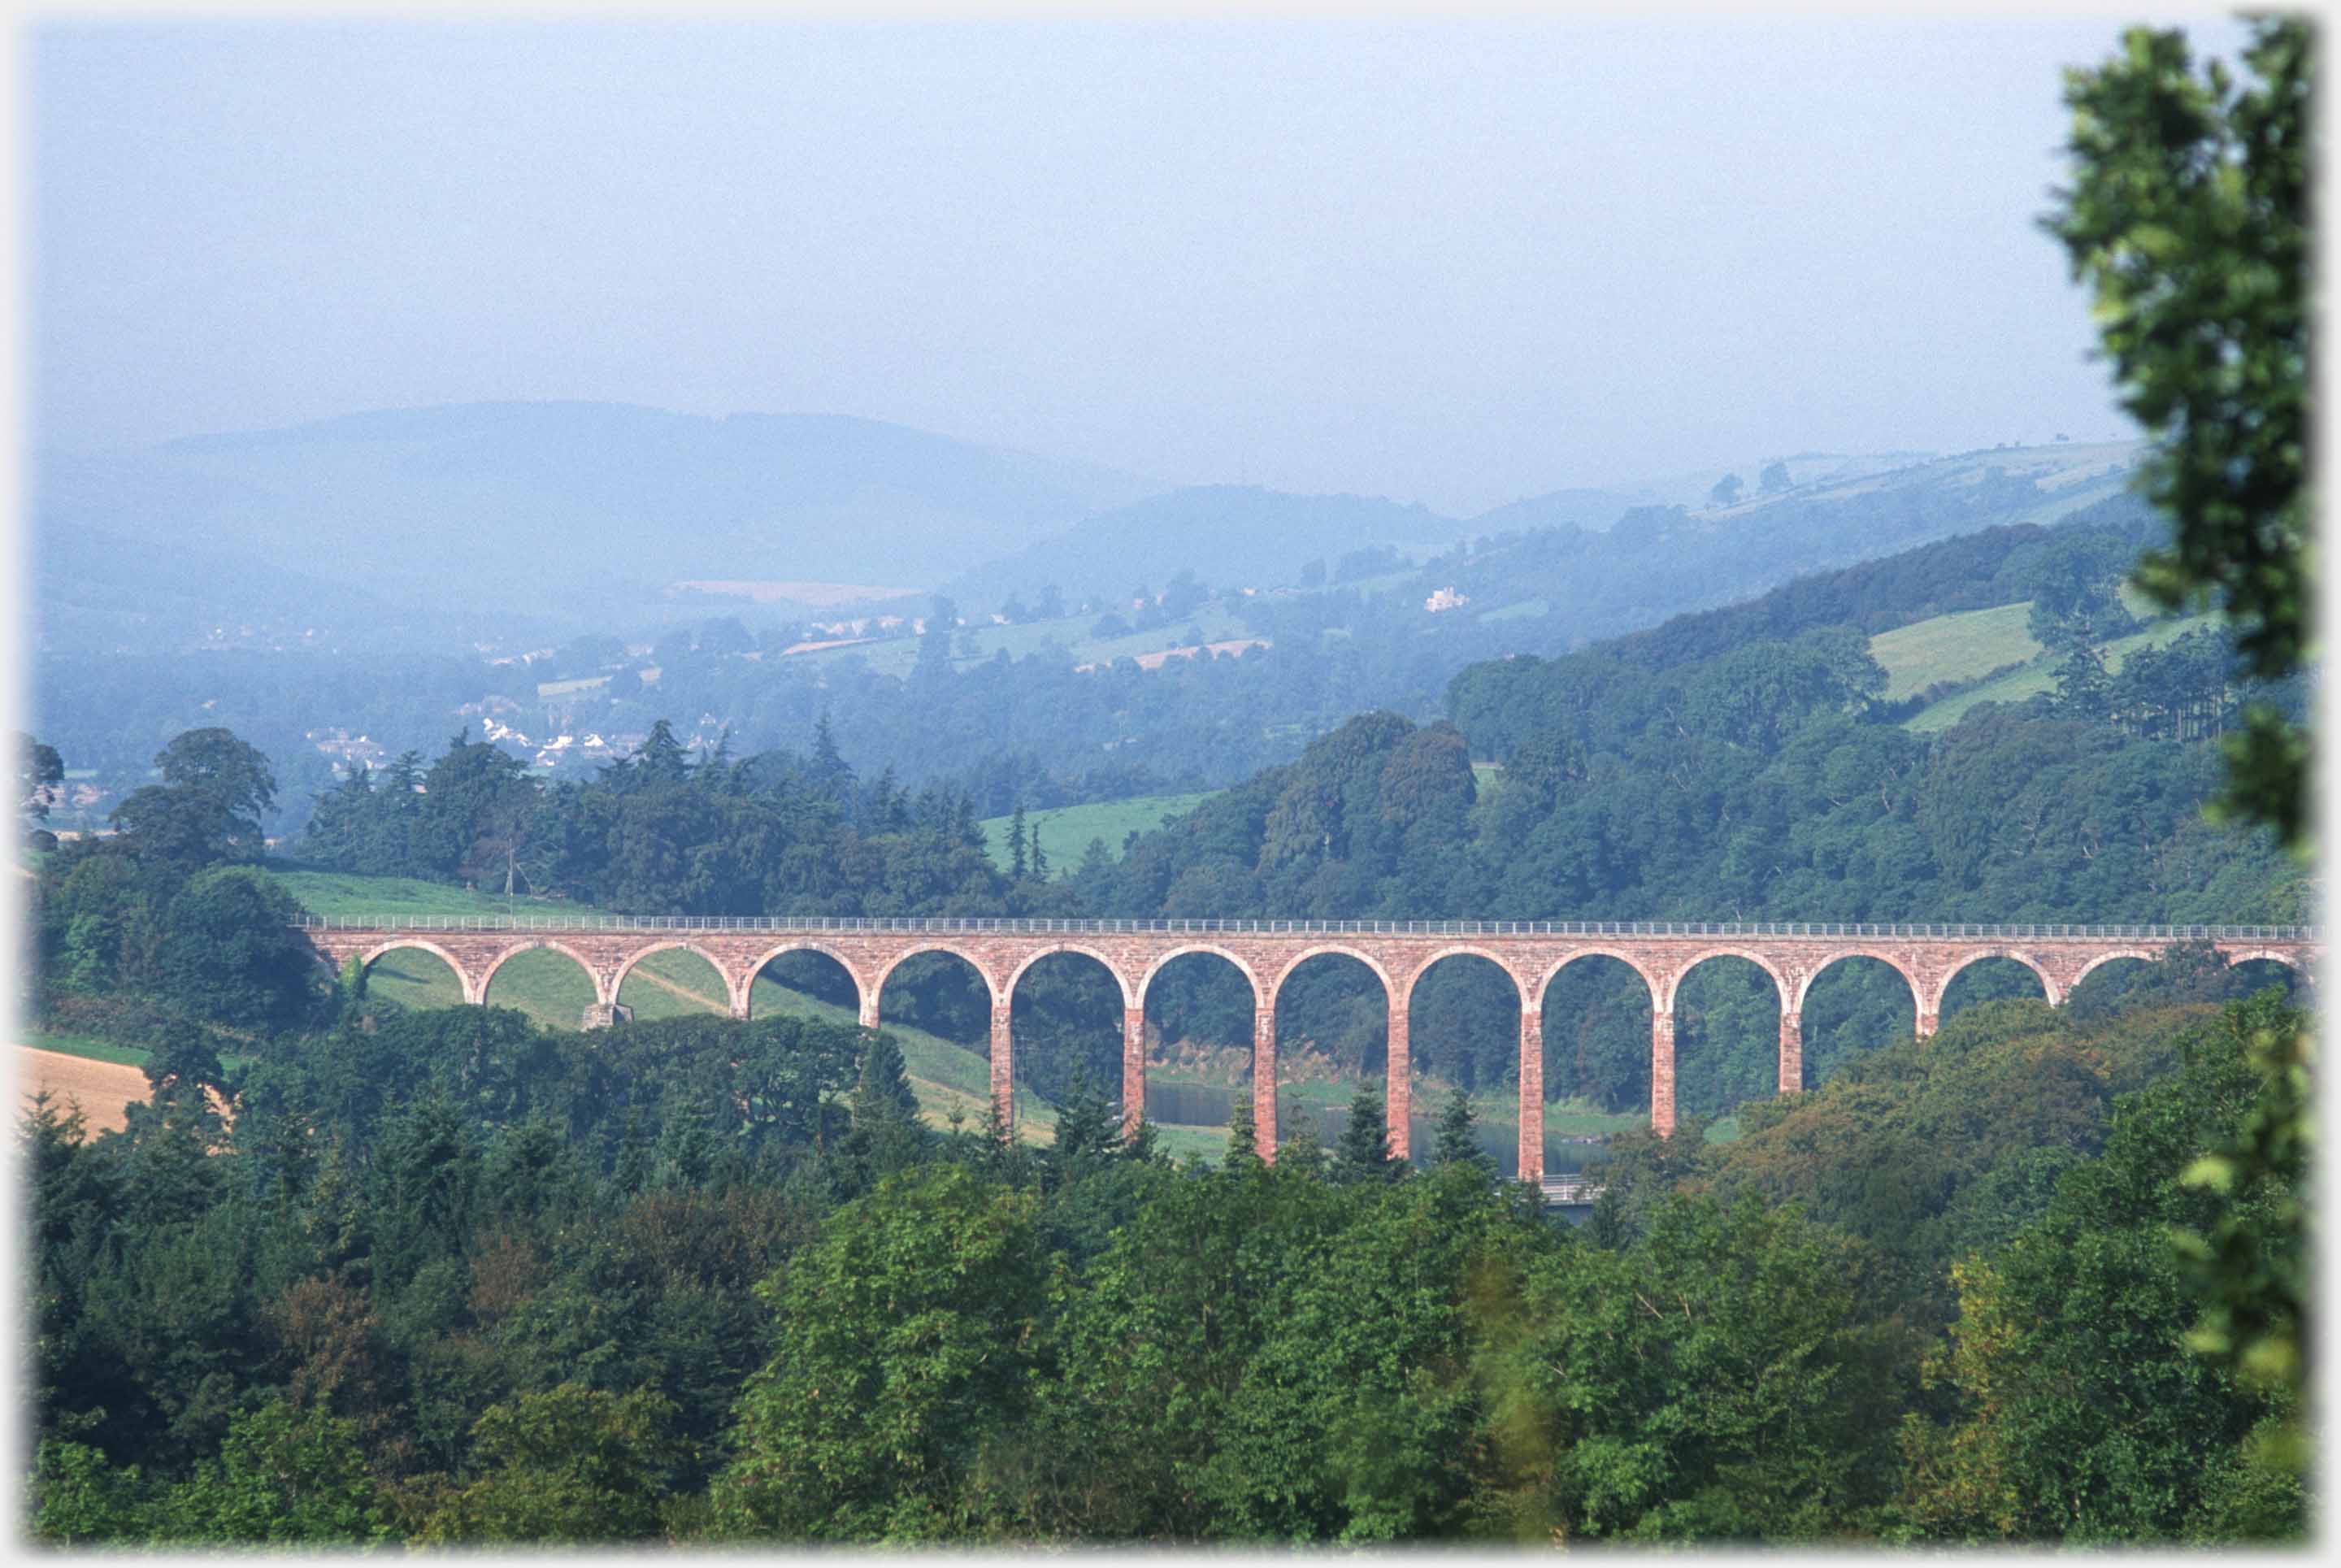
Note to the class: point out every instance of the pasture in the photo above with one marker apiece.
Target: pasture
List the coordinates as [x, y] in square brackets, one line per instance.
[1066, 830]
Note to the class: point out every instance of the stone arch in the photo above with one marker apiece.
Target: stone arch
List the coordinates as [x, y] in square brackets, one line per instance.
[475, 991]
[1389, 991]
[531, 945]
[2102, 959]
[1966, 961]
[991, 982]
[2295, 961]
[743, 985]
[1128, 996]
[1804, 986]
[1620, 955]
[618, 980]
[1462, 950]
[1779, 981]
[1162, 960]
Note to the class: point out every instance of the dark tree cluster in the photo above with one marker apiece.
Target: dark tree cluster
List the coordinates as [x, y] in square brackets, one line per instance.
[446, 1278]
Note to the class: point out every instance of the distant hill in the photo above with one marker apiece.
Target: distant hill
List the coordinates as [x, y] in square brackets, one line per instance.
[96, 591]
[1560, 509]
[570, 507]
[1230, 536]
[1658, 562]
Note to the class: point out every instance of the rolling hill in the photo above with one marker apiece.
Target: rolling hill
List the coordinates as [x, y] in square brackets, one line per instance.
[1230, 536]
[580, 507]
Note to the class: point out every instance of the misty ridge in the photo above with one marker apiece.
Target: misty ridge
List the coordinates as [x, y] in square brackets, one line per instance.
[556, 517]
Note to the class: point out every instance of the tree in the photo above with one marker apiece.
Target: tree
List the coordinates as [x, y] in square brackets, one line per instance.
[724, 634]
[2188, 216]
[284, 1476]
[1017, 866]
[828, 772]
[1456, 1145]
[39, 771]
[904, 1339]
[2084, 690]
[214, 793]
[1726, 491]
[1364, 1151]
[569, 1465]
[1774, 480]
[884, 1109]
[1243, 1136]
[230, 950]
[217, 764]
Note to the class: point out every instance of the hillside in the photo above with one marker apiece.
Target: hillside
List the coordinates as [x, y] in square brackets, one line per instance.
[577, 508]
[1230, 536]
[2039, 674]
[1658, 562]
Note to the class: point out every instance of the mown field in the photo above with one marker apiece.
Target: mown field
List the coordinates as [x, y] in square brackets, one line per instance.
[346, 894]
[2040, 675]
[1960, 647]
[1066, 830]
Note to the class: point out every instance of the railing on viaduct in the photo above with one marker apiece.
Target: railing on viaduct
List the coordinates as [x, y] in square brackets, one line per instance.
[1928, 955]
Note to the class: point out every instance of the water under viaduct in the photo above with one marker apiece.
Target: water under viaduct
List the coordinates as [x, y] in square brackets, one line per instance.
[1266, 953]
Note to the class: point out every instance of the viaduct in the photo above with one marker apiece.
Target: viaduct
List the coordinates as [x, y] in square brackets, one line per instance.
[1266, 952]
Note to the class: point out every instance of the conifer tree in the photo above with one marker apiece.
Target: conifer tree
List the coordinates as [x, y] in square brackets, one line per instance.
[1017, 867]
[1364, 1151]
[1456, 1145]
[1243, 1136]
[884, 1107]
[1301, 1152]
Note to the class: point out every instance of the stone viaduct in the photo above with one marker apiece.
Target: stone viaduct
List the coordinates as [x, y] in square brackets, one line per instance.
[1266, 952]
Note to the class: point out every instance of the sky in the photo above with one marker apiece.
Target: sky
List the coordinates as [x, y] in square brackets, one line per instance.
[1448, 263]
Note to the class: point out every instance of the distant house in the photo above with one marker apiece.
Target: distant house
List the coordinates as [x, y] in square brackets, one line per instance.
[1445, 599]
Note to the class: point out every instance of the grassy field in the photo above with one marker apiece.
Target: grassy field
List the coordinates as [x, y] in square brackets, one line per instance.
[1525, 609]
[92, 1048]
[1066, 830]
[345, 893]
[896, 655]
[1958, 647]
[2040, 675]
[85, 1045]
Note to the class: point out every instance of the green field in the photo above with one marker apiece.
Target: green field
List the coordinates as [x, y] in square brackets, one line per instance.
[2040, 675]
[85, 1045]
[346, 894]
[92, 1048]
[1066, 830]
[1960, 647]
[1526, 609]
[897, 655]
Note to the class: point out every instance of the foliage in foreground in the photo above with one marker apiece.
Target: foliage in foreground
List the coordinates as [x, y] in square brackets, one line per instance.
[450, 1278]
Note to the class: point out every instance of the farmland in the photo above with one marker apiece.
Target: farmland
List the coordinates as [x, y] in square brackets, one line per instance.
[1066, 830]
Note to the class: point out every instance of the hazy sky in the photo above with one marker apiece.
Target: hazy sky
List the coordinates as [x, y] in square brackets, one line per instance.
[1456, 264]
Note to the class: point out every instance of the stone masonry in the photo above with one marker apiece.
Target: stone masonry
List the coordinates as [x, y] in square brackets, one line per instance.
[1267, 952]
